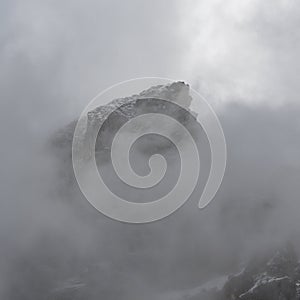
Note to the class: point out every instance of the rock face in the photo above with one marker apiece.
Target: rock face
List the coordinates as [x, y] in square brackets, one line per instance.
[275, 277]
[172, 99]
[128, 107]
[178, 92]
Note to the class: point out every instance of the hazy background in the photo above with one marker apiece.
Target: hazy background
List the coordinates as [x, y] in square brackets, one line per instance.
[55, 56]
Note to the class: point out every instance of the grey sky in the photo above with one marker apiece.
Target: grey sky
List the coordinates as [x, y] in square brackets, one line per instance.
[235, 50]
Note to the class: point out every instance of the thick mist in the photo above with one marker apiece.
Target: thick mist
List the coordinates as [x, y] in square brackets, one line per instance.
[56, 56]
[50, 233]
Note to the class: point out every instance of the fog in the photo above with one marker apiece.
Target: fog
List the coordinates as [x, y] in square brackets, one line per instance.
[56, 56]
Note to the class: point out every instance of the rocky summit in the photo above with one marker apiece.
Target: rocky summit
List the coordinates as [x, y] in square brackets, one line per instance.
[117, 112]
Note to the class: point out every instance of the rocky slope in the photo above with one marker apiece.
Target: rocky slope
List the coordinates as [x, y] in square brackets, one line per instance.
[270, 277]
[273, 277]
